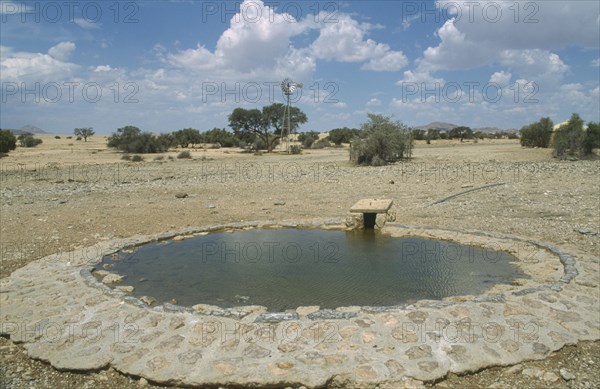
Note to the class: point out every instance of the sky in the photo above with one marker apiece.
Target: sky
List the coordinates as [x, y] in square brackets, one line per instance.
[168, 65]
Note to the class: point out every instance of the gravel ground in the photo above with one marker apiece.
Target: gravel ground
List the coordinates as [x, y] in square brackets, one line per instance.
[60, 198]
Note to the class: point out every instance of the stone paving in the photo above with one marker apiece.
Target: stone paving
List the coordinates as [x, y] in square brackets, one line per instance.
[64, 316]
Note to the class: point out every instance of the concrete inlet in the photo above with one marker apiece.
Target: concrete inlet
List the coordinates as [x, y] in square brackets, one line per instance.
[369, 210]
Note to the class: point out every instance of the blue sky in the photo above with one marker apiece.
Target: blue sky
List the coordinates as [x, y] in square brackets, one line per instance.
[167, 65]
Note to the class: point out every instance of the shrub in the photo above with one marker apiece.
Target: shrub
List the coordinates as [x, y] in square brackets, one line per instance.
[137, 158]
[381, 141]
[28, 141]
[57, 137]
[321, 144]
[131, 139]
[307, 141]
[295, 149]
[537, 134]
[591, 140]
[126, 157]
[8, 141]
[259, 144]
[308, 138]
[159, 158]
[184, 155]
[569, 137]
[78, 138]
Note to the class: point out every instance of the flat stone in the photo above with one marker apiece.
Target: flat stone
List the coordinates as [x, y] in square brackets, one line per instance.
[171, 343]
[428, 366]
[303, 311]
[405, 334]
[395, 368]
[329, 314]
[372, 206]
[256, 351]
[276, 317]
[418, 316]
[190, 357]
[417, 352]
[365, 372]
[124, 288]
[157, 363]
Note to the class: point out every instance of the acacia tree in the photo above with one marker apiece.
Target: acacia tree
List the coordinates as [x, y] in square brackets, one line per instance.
[537, 134]
[84, 132]
[381, 140]
[267, 124]
[461, 132]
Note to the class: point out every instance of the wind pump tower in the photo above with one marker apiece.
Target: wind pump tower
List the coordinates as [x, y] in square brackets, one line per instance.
[288, 87]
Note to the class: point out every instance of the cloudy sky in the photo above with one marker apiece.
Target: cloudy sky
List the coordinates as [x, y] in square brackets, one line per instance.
[167, 65]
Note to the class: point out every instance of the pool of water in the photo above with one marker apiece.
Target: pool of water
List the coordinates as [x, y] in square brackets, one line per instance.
[286, 268]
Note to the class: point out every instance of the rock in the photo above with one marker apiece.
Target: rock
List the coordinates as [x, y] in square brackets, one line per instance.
[303, 311]
[112, 278]
[566, 375]
[143, 382]
[587, 231]
[126, 289]
[533, 372]
[515, 369]
[279, 203]
[181, 195]
[269, 317]
[550, 377]
[417, 352]
[148, 300]
[392, 182]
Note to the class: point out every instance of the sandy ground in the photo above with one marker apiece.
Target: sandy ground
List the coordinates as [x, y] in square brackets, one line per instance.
[67, 194]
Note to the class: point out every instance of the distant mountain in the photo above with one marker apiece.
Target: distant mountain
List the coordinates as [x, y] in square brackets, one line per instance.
[29, 129]
[442, 126]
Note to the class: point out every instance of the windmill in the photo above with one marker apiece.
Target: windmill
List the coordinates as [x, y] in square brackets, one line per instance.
[288, 87]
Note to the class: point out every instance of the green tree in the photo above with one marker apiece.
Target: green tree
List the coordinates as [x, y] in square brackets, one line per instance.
[461, 133]
[84, 132]
[131, 139]
[267, 124]
[591, 140]
[187, 136]
[342, 135]
[537, 134]
[419, 134]
[381, 141]
[433, 134]
[220, 136]
[569, 137]
[8, 141]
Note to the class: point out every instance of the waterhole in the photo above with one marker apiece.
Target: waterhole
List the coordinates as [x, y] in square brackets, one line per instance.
[286, 268]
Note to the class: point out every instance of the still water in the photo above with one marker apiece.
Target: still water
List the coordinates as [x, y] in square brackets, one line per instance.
[286, 268]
